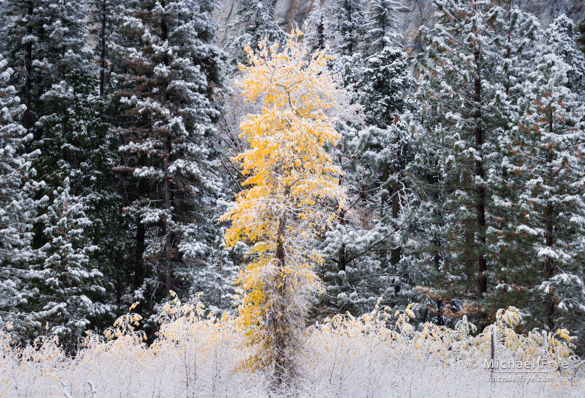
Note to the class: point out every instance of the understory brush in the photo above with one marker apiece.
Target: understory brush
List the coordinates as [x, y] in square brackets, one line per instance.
[380, 354]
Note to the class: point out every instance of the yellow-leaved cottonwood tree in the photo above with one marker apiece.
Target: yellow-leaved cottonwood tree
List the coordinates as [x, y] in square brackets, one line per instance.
[293, 192]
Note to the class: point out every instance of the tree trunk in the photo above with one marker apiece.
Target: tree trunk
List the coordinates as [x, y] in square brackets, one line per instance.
[321, 33]
[396, 253]
[549, 265]
[140, 242]
[103, 49]
[342, 257]
[170, 248]
[549, 240]
[27, 121]
[469, 250]
[281, 329]
[170, 244]
[479, 188]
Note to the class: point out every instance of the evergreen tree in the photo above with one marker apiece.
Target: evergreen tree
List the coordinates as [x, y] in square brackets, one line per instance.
[550, 177]
[255, 23]
[17, 207]
[348, 26]
[78, 144]
[75, 141]
[166, 72]
[561, 39]
[456, 97]
[385, 86]
[314, 29]
[364, 251]
[67, 281]
[347, 29]
[581, 35]
[516, 188]
[352, 270]
[103, 18]
[515, 50]
[345, 246]
[22, 41]
[382, 27]
[384, 90]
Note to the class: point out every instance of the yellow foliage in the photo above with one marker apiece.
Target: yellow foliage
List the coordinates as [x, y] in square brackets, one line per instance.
[290, 180]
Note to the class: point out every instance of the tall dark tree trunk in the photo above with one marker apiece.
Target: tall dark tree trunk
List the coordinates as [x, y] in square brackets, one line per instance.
[139, 270]
[103, 28]
[27, 122]
[140, 246]
[480, 187]
[469, 250]
[549, 267]
[170, 248]
[342, 257]
[170, 242]
[396, 252]
[321, 33]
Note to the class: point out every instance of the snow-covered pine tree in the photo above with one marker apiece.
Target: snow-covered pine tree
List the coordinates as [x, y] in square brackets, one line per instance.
[363, 253]
[103, 18]
[347, 29]
[385, 86]
[69, 294]
[515, 48]
[314, 28]
[347, 242]
[348, 25]
[22, 43]
[74, 138]
[456, 97]
[17, 207]
[352, 270]
[66, 103]
[166, 72]
[79, 144]
[108, 191]
[364, 250]
[581, 34]
[385, 79]
[382, 26]
[550, 175]
[254, 23]
[561, 38]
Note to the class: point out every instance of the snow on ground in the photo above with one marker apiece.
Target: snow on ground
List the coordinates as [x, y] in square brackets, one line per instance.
[201, 356]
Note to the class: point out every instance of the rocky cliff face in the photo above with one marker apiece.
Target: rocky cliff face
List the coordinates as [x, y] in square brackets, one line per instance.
[416, 13]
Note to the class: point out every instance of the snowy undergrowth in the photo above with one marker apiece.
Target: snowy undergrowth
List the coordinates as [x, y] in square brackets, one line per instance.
[377, 355]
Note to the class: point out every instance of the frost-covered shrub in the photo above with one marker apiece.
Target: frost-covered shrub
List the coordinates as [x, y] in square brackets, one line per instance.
[198, 354]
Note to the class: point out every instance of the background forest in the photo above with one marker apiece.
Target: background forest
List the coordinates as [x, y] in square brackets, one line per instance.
[463, 163]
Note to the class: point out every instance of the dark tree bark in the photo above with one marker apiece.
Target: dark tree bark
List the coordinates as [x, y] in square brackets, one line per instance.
[549, 266]
[103, 54]
[480, 175]
[170, 248]
[27, 122]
